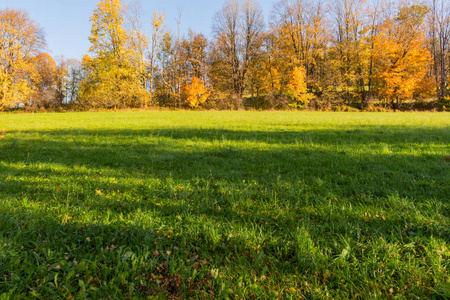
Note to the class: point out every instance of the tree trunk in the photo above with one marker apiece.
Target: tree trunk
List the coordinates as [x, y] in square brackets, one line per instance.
[363, 93]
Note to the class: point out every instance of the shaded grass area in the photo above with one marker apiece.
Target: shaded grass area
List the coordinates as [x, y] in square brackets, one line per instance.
[219, 204]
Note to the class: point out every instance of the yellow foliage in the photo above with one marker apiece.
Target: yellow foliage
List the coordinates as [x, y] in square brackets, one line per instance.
[44, 81]
[297, 89]
[113, 74]
[269, 79]
[426, 88]
[20, 40]
[195, 92]
[158, 20]
[402, 61]
[46, 68]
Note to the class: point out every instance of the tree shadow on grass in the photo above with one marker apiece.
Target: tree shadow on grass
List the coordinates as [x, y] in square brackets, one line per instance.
[351, 134]
[185, 152]
[49, 165]
[341, 172]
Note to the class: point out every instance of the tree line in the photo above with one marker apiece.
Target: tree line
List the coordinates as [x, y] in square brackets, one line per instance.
[344, 54]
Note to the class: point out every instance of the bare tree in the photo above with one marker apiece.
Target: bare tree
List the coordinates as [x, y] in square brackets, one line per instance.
[155, 45]
[138, 41]
[74, 72]
[238, 30]
[439, 32]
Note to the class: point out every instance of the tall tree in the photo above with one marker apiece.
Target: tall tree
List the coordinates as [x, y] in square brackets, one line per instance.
[300, 37]
[171, 73]
[439, 33]
[155, 44]
[74, 77]
[350, 52]
[138, 41]
[378, 11]
[62, 81]
[296, 88]
[195, 56]
[21, 40]
[44, 83]
[113, 78]
[238, 32]
[402, 57]
[166, 83]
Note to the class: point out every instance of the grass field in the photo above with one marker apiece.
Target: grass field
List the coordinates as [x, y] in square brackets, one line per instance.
[235, 205]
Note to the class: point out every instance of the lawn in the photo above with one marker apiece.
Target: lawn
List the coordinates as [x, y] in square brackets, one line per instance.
[253, 205]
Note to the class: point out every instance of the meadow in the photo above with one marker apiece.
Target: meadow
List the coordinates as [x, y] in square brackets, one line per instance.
[237, 205]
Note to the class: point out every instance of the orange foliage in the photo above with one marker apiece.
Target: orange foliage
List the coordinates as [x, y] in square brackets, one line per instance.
[402, 59]
[297, 89]
[195, 93]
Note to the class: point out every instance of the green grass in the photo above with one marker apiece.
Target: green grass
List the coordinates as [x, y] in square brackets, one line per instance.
[225, 205]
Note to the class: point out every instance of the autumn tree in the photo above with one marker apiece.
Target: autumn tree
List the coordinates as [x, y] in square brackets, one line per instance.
[401, 55]
[300, 37]
[44, 82]
[170, 74]
[112, 76]
[260, 77]
[74, 77]
[439, 33]
[238, 30]
[270, 68]
[296, 88]
[195, 92]
[350, 52]
[155, 44]
[138, 41]
[194, 53]
[378, 11]
[20, 41]
[50, 83]
[178, 59]
[166, 79]
[61, 82]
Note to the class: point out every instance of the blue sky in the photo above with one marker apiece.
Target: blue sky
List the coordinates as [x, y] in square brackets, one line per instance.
[67, 27]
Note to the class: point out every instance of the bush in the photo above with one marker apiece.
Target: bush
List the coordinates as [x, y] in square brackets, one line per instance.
[374, 108]
[224, 101]
[446, 104]
[268, 102]
[345, 108]
[167, 99]
[31, 109]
